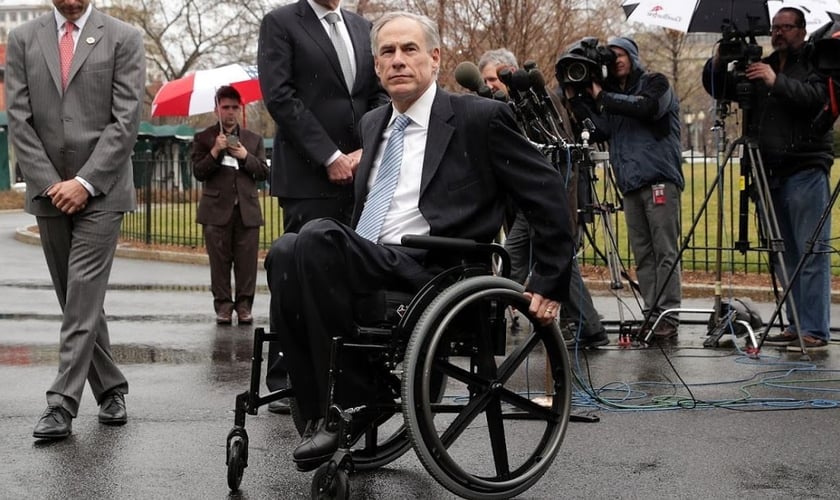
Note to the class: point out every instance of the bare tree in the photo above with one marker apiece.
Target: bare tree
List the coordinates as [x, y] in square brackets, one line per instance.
[185, 35]
[532, 29]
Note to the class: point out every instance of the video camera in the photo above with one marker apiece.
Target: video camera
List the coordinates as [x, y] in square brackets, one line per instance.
[741, 49]
[584, 62]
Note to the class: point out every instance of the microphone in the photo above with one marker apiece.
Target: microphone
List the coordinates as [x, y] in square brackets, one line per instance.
[506, 75]
[468, 76]
[520, 81]
[537, 80]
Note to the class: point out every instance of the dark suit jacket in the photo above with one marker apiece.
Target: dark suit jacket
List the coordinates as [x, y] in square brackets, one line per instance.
[476, 158]
[224, 185]
[304, 91]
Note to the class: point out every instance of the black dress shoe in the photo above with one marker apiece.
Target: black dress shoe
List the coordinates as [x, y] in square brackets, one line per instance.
[315, 449]
[320, 446]
[280, 407]
[55, 423]
[112, 409]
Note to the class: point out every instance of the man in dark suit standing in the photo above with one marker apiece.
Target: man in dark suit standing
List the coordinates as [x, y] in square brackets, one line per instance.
[75, 81]
[317, 80]
[456, 158]
[317, 91]
[229, 160]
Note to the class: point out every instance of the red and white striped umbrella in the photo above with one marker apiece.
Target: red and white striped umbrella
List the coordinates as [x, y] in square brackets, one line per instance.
[195, 93]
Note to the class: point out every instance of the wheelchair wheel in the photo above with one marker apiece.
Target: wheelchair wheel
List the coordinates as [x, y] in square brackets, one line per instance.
[237, 451]
[326, 486]
[494, 384]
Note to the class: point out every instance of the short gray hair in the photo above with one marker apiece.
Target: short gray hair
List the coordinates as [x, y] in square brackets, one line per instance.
[430, 28]
[498, 57]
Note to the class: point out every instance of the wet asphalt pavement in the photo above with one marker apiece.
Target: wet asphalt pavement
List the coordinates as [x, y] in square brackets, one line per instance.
[781, 441]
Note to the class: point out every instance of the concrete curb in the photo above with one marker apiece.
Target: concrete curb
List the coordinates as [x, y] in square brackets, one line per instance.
[596, 287]
[25, 235]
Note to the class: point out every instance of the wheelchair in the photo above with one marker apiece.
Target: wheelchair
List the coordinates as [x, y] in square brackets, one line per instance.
[485, 411]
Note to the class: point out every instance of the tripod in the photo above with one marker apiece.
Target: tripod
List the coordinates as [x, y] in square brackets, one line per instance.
[768, 222]
[600, 213]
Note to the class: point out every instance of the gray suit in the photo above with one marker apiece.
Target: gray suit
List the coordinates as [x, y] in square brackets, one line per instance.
[87, 130]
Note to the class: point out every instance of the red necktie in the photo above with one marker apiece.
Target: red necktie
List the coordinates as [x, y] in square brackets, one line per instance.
[65, 49]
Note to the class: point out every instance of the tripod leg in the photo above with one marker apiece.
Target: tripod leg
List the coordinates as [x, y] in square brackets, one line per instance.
[770, 224]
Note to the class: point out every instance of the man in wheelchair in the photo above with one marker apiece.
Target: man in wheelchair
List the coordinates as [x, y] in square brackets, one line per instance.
[434, 163]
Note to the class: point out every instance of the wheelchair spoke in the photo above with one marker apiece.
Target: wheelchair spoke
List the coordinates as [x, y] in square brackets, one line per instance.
[467, 415]
[498, 443]
[462, 375]
[517, 357]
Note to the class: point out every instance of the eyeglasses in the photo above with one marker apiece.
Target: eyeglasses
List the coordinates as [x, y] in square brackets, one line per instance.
[784, 28]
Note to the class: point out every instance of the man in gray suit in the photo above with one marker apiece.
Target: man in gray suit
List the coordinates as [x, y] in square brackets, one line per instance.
[75, 81]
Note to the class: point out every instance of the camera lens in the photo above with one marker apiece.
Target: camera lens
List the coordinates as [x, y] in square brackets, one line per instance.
[576, 72]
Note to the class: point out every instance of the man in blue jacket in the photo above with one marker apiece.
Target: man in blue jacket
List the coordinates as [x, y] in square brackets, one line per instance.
[638, 113]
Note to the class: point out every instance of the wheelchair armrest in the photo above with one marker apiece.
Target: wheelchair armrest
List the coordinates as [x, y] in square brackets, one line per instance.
[458, 245]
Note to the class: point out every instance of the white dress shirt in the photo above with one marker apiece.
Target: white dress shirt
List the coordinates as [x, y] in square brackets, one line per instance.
[404, 215]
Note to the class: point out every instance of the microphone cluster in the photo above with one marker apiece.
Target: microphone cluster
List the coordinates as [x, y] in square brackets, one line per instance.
[527, 95]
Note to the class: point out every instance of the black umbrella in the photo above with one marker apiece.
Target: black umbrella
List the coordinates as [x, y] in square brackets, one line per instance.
[716, 16]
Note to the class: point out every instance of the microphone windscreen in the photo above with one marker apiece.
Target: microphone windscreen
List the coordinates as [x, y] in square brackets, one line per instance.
[520, 80]
[505, 74]
[468, 76]
[537, 79]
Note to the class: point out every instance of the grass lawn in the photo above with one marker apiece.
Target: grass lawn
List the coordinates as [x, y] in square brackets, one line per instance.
[700, 253]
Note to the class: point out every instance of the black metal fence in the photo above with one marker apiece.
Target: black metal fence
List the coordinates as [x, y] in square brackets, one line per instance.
[167, 196]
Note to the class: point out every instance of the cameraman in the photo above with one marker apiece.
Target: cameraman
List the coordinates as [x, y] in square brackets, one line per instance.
[579, 308]
[637, 112]
[786, 95]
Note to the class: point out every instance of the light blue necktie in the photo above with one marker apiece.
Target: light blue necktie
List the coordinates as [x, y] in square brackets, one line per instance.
[379, 198]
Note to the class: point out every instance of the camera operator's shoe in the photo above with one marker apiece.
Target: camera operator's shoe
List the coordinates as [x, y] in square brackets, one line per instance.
[665, 330]
[782, 339]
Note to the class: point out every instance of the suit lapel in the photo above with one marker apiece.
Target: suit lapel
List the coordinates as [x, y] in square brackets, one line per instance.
[374, 130]
[88, 39]
[439, 135]
[48, 39]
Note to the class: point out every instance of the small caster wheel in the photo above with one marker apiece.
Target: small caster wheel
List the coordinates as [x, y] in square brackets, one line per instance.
[330, 483]
[236, 462]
